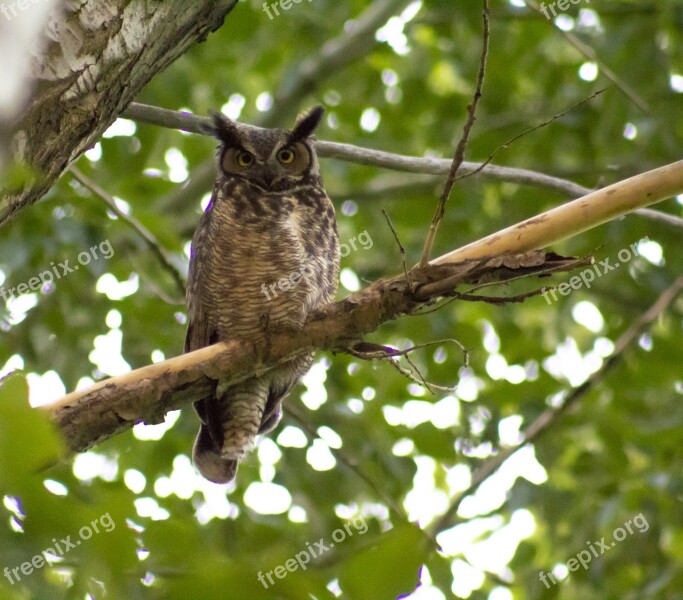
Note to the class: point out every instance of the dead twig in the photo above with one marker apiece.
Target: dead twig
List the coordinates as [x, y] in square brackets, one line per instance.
[462, 143]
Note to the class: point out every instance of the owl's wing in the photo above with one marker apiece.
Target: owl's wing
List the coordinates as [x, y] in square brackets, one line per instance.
[200, 332]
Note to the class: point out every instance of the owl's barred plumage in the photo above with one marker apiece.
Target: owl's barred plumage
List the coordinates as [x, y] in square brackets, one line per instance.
[269, 219]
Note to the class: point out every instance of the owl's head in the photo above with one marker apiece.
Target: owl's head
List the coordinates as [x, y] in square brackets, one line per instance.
[273, 159]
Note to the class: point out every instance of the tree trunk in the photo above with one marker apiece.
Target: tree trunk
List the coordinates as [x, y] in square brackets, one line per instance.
[97, 58]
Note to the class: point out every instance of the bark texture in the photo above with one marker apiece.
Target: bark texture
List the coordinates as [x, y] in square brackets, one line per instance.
[97, 58]
[90, 416]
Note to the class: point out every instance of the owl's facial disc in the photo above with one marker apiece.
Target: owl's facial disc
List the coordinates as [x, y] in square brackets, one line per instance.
[284, 168]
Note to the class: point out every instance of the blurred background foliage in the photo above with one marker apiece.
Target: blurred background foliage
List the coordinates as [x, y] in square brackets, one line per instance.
[361, 441]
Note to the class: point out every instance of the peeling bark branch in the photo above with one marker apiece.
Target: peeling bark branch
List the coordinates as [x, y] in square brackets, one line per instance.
[100, 55]
[90, 416]
[575, 217]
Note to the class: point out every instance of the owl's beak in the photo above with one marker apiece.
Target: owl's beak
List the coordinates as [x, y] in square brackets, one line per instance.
[271, 176]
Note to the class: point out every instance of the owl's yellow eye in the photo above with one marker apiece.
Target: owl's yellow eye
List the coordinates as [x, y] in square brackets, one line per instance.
[244, 159]
[286, 156]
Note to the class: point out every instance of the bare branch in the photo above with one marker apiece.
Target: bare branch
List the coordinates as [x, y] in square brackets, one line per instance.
[387, 160]
[148, 237]
[514, 138]
[577, 216]
[184, 121]
[89, 416]
[459, 155]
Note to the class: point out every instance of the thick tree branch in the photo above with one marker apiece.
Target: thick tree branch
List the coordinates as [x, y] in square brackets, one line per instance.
[577, 216]
[89, 416]
[100, 56]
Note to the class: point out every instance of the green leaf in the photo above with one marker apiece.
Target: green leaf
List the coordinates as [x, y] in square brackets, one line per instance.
[29, 442]
[387, 569]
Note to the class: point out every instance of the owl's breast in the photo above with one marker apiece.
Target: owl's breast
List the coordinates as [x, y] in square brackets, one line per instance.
[270, 260]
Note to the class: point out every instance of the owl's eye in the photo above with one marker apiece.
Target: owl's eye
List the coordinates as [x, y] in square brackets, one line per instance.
[244, 159]
[286, 156]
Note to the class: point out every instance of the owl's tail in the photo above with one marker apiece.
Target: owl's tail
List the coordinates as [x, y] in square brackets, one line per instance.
[207, 458]
[231, 419]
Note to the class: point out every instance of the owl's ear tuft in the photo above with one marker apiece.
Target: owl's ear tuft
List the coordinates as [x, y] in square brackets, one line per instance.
[223, 128]
[305, 124]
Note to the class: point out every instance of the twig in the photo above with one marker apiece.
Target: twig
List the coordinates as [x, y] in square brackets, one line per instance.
[401, 249]
[369, 351]
[148, 237]
[551, 415]
[513, 139]
[459, 155]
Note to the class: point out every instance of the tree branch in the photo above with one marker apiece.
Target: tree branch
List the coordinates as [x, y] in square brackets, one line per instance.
[89, 416]
[147, 236]
[459, 155]
[98, 59]
[577, 216]
[183, 121]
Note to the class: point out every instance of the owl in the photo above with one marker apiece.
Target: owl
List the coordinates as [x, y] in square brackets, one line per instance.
[265, 254]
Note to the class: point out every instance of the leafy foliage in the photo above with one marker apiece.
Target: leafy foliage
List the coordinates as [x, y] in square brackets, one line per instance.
[361, 441]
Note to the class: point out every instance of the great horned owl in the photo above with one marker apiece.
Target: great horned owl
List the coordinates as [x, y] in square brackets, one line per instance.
[265, 254]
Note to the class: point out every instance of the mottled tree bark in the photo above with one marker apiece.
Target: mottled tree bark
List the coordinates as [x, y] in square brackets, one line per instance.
[98, 56]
